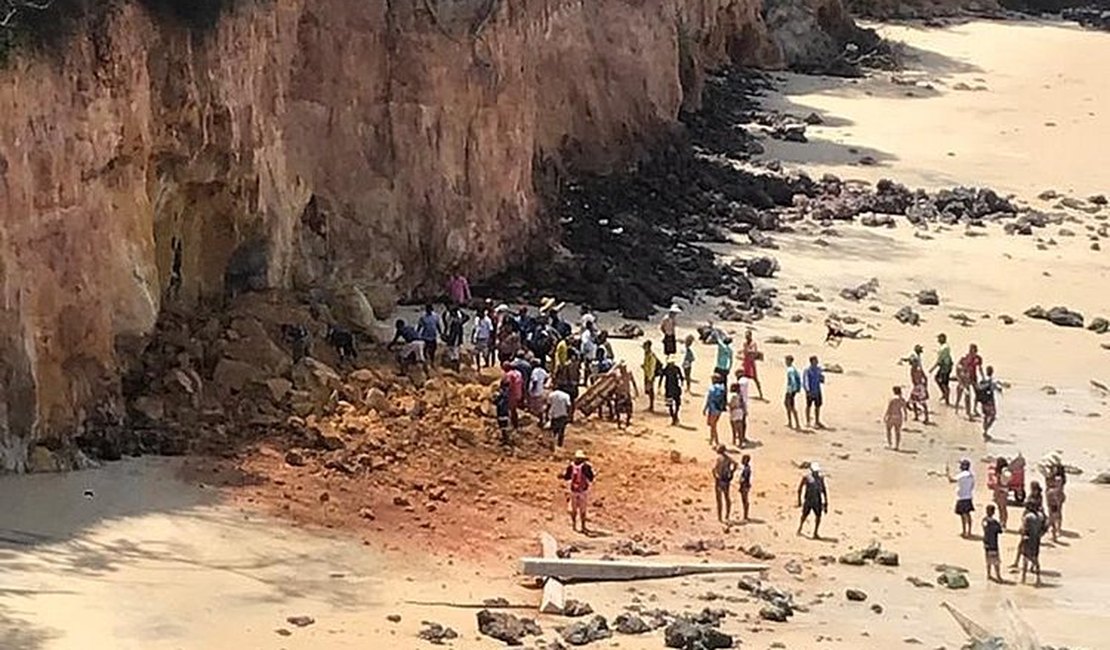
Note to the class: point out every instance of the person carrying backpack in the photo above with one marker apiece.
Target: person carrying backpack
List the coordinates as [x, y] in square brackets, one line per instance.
[580, 476]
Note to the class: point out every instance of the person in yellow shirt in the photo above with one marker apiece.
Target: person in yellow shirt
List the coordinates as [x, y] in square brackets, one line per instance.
[651, 368]
[561, 356]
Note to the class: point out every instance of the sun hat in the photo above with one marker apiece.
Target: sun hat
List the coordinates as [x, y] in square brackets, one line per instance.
[814, 467]
[580, 454]
[675, 309]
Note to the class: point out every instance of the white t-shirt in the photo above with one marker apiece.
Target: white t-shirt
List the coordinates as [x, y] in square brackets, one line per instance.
[965, 485]
[560, 404]
[745, 388]
[539, 379]
[484, 329]
[589, 347]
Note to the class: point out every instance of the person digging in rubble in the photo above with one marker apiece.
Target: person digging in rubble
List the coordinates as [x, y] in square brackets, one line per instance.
[412, 346]
[580, 476]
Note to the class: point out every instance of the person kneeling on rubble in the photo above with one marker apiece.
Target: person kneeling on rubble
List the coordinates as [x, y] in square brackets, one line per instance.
[412, 346]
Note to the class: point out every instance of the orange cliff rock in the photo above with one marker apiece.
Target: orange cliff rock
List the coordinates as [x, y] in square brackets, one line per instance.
[304, 145]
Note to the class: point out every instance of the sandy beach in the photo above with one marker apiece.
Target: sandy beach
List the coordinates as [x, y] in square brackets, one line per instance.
[136, 557]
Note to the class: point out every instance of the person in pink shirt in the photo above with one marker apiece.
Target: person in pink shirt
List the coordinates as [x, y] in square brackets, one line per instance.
[515, 382]
[458, 289]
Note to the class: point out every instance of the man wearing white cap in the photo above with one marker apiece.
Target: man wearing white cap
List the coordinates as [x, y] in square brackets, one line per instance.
[816, 498]
[965, 490]
[670, 344]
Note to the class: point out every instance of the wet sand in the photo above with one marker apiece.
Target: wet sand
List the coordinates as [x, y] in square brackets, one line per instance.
[153, 562]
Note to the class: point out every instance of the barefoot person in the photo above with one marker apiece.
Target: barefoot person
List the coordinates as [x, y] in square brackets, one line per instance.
[984, 395]
[895, 416]
[991, 530]
[716, 403]
[942, 368]
[812, 380]
[919, 394]
[670, 344]
[813, 497]
[967, 374]
[1054, 505]
[745, 482]
[652, 369]
[737, 415]
[623, 393]
[751, 356]
[998, 482]
[793, 387]
[1032, 529]
[672, 379]
[688, 361]
[580, 476]
[965, 491]
[722, 480]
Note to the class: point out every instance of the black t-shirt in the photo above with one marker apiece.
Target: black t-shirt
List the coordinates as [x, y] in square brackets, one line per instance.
[814, 488]
[672, 380]
[991, 530]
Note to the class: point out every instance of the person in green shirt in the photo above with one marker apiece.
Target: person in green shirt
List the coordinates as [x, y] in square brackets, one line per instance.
[943, 367]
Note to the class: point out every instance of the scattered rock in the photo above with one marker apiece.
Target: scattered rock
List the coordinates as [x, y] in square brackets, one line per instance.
[596, 629]
[907, 316]
[873, 220]
[877, 608]
[1099, 325]
[1037, 312]
[506, 628]
[575, 608]
[774, 613]
[918, 582]
[953, 579]
[808, 297]
[687, 635]
[758, 553]
[630, 624]
[1064, 317]
[834, 369]
[1006, 320]
[855, 595]
[928, 297]
[436, 634]
[887, 558]
[762, 267]
[1103, 478]
[300, 621]
[295, 458]
[393, 618]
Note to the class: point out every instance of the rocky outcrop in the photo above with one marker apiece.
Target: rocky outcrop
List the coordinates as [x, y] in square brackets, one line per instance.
[331, 147]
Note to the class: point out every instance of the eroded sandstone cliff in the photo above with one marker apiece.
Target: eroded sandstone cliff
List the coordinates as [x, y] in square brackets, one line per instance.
[330, 146]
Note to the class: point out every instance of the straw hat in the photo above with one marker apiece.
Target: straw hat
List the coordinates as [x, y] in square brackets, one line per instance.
[580, 455]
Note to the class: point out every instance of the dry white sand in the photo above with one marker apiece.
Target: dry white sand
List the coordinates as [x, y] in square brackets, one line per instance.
[152, 563]
[1036, 113]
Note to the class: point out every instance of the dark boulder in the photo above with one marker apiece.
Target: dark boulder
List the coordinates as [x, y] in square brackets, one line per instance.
[506, 628]
[596, 629]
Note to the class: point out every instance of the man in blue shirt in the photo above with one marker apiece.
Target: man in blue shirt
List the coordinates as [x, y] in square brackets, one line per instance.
[793, 387]
[412, 350]
[429, 328]
[716, 402]
[812, 379]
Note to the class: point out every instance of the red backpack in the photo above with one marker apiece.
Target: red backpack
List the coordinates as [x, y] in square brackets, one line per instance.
[578, 480]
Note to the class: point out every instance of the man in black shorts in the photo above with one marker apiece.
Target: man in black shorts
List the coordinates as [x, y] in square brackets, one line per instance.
[813, 497]
[723, 471]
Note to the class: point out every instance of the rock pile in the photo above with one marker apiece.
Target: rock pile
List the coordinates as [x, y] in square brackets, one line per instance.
[506, 628]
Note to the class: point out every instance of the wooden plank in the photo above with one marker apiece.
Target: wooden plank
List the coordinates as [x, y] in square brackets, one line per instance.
[554, 593]
[596, 394]
[572, 569]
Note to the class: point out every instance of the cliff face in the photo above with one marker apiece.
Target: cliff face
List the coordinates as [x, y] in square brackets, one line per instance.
[310, 145]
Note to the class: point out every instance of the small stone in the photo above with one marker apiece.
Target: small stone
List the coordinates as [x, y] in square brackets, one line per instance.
[597, 629]
[630, 624]
[887, 558]
[300, 621]
[393, 618]
[877, 608]
[855, 595]
[294, 458]
[928, 297]
[853, 558]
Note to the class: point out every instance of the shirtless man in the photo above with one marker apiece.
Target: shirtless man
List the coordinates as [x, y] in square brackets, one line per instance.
[968, 372]
[622, 396]
[723, 471]
[816, 498]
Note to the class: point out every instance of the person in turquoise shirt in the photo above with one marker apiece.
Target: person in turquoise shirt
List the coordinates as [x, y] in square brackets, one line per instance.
[793, 387]
[716, 402]
[724, 354]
